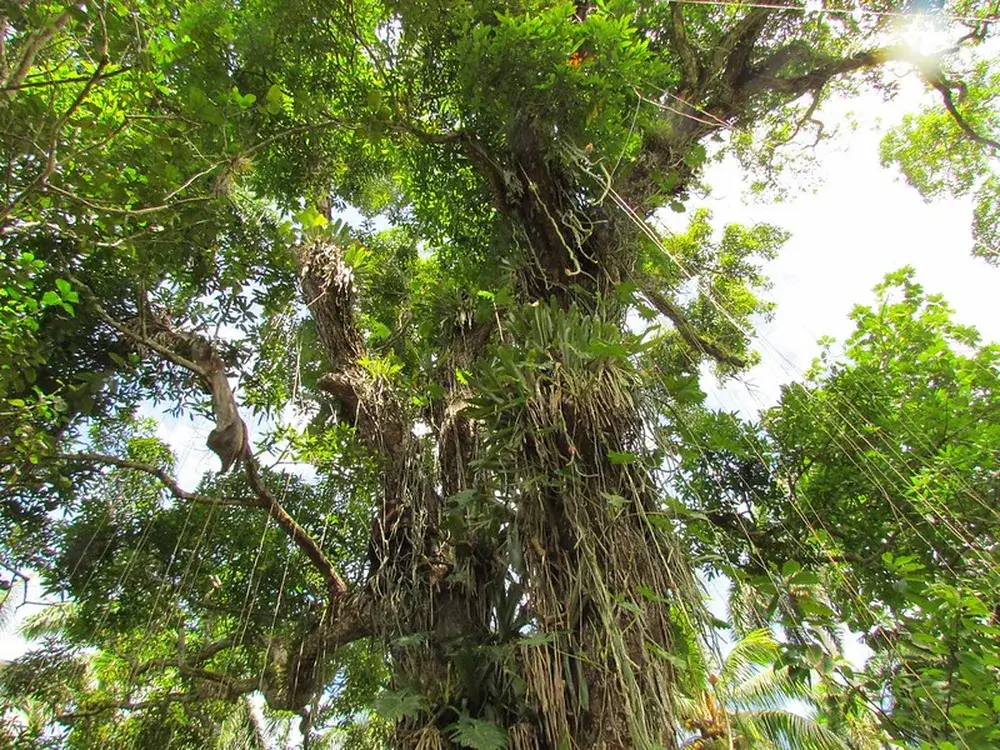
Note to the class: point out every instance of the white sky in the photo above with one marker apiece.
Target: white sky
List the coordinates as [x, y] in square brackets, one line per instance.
[863, 222]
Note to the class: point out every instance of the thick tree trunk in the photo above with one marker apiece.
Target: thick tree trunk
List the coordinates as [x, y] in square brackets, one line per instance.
[602, 581]
[603, 585]
[600, 587]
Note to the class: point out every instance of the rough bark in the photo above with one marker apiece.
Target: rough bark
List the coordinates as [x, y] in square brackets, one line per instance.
[409, 562]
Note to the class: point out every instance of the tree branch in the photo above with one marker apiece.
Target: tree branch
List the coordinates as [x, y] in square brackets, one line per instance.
[33, 46]
[169, 482]
[64, 81]
[808, 117]
[688, 332]
[765, 77]
[208, 652]
[100, 708]
[343, 622]
[299, 536]
[737, 47]
[741, 85]
[133, 335]
[328, 286]
[689, 58]
[939, 83]
[50, 159]
[126, 211]
[454, 136]
[229, 440]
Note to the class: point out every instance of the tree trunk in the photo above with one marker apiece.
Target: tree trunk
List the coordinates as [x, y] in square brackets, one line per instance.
[559, 455]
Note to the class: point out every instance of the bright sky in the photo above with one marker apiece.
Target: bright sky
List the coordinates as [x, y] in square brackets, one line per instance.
[863, 222]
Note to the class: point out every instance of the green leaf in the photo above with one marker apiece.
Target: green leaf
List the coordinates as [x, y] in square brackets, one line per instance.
[310, 218]
[378, 331]
[537, 639]
[394, 706]
[275, 100]
[616, 501]
[790, 568]
[620, 458]
[460, 500]
[411, 639]
[662, 522]
[650, 595]
[805, 578]
[478, 734]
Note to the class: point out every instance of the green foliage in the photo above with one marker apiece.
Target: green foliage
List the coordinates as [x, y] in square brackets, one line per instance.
[875, 474]
[937, 659]
[501, 361]
[745, 702]
[479, 735]
[717, 281]
[935, 155]
[394, 706]
[904, 429]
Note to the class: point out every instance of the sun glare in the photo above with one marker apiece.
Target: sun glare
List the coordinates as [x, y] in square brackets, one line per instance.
[924, 35]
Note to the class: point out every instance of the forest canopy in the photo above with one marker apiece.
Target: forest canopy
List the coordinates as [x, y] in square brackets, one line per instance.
[408, 261]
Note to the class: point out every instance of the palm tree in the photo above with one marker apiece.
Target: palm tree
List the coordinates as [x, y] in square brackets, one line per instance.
[747, 703]
[246, 728]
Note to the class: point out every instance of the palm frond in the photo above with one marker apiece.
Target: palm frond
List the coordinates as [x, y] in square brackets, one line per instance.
[687, 707]
[17, 590]
[768, 689]
[37, 714]
[747, 608]
[786, 729]
[241, 729]
[50, 621]
[756, 649]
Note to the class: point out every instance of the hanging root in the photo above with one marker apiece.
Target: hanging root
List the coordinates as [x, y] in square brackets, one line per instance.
[606, 579]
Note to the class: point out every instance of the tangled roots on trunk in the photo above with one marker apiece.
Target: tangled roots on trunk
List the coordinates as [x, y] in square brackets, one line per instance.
[608, 585]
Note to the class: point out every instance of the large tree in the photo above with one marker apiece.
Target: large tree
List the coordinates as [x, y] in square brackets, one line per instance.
[412, 244]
